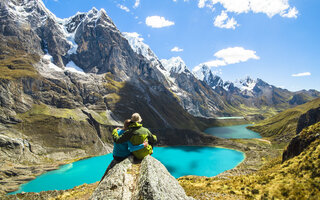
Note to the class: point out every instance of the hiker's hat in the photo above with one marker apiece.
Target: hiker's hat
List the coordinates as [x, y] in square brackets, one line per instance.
[136, 117]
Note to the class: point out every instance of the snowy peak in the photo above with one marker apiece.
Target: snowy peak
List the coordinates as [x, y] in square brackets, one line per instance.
[96, 18]
[136, 42]
[27, 11]
[203, 73]
[175, 65]
[245, 84]
[73, 22]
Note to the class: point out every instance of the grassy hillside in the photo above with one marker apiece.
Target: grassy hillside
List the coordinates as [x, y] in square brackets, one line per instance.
[282, 127]
[296, 178]
[63, 129]
[16, 63]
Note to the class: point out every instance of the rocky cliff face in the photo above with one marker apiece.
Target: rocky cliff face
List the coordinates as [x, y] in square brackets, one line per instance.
[309, 118]
[305, 137]
[65, 83]
[148, 180]
[195, 96]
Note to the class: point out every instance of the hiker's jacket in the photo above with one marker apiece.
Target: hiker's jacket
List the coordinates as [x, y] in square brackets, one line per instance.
[124, 149]
[136, 134]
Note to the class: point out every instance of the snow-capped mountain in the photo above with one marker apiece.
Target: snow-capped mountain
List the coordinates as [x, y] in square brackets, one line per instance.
[80, 76]
[180, 81]
[245, 84]
[175, 65]
[90, 43]
[203, 73]
[27, 12]
[247, 91]
[136, 42]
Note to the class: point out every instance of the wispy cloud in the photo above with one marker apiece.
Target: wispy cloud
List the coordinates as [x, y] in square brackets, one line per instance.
[232, 55]
[302, 74]
[268, 7]
[122, 7]
[223, 21]
[292, 13]
[176, 49]
[158, 22]
[136, 4]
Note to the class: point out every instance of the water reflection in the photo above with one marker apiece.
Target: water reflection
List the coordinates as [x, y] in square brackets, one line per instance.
[238, 131]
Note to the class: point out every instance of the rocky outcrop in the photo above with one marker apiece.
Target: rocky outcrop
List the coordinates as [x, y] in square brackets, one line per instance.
[148, 180]
[305, 137]
[309, 118]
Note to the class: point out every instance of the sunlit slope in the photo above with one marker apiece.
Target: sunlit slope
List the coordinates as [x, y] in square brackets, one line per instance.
[282, 127]
[296, 178]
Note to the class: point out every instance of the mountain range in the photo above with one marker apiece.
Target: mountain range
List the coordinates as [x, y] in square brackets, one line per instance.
[66, 83]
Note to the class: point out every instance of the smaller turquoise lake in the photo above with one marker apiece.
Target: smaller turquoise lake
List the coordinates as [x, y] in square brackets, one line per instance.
[237, 131]
[180, 161]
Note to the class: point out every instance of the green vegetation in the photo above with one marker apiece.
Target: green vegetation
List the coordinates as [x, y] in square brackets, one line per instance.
[101, 117]
[112, 98]
[297, 178]
[79, 192]
[265, 111]
[61, 128]
[282, 127]
[112, 85]
[16, 63]
[42, 111]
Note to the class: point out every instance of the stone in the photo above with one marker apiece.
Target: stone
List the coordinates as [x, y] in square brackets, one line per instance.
[148, 180]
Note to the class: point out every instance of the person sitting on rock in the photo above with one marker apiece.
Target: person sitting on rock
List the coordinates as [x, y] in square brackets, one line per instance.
[122, 150]
[136, 134]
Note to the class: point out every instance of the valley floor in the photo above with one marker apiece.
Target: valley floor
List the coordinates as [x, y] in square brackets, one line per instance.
[257, 152]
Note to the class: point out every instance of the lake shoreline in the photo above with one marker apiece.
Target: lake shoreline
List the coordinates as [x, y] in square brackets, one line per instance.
[251, 162]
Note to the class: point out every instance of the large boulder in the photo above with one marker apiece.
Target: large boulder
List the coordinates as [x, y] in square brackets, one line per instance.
[146, 180]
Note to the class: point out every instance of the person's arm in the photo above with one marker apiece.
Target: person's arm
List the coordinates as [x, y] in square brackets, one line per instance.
[152, 139]
[122, 138]
[135, 147]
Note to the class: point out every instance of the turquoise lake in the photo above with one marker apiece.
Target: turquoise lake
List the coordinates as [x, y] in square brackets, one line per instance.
[237, 131]
[180, 161]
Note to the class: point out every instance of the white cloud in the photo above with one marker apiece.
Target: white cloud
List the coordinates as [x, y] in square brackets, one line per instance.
[268, 7]
[135, 35]
[223, 21]
[302, 74]
[136, 4]
[232, 55]
[215, 63]
[292, 13]
[217, 72]
[158, 22]
[176, 49]
[122, 7]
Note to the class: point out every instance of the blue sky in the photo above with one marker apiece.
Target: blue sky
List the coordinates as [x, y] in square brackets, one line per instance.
[275, 40]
